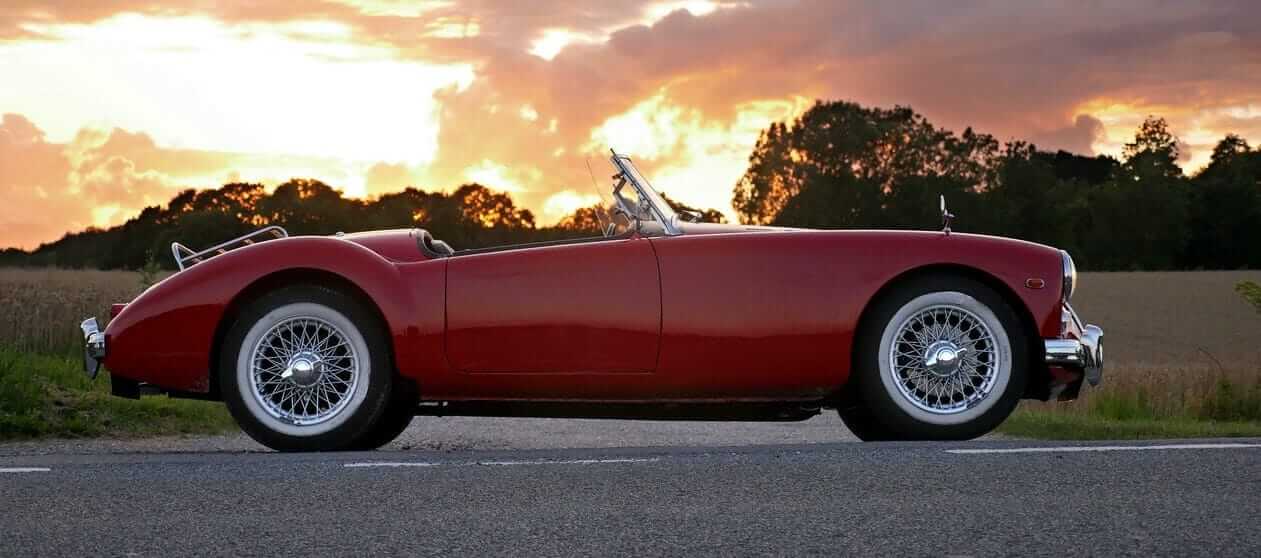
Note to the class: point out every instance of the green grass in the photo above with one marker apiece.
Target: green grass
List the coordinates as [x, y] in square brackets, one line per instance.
[1226, 410]
[49, 396]
[1050, 425]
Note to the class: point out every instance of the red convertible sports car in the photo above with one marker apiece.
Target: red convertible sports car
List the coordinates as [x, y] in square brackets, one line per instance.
[336, 342]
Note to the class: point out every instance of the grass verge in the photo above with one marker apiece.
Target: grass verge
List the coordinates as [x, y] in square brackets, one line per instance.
[1050, 425]
[49, 396]
[1223, 408]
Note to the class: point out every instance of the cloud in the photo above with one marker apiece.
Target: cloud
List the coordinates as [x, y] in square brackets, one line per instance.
[102, 178]
[686, 85]
[383, 178]
[32, 179]
[1079, 137]
[50, 188]
[1017, 71]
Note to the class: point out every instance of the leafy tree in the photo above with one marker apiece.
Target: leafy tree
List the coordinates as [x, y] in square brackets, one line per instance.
[1155, 147]
[591, 219]
[307, 206]
[838, 164]
[706, 215]
[1024, 200]
[1071, 167]
[1226, 209]
[489, 208]
[1142, 215]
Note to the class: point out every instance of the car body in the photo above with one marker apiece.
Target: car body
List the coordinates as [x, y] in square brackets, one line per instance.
[667, 319]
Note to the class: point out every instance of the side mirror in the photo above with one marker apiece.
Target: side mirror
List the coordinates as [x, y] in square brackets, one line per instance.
[691, 216]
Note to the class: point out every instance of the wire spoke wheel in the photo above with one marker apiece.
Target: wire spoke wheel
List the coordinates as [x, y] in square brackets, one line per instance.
[307, 368]
[944, 359]
[303, 371]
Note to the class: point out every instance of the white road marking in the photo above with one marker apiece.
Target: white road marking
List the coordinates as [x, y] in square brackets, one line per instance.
[1058, 449]
[391, 464]
[571, 461]
[24, 469]
[365, 464]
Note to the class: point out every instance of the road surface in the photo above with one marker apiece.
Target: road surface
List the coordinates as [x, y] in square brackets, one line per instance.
[985, 498]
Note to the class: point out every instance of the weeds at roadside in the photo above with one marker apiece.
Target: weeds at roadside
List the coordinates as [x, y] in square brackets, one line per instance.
[49, 396]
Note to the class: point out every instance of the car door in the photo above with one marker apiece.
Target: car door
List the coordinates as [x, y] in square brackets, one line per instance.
[569, 310]
[759, 315]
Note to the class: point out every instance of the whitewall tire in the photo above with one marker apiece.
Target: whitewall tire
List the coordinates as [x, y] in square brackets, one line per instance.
[305, 368]
[916, 344]
[939, 358]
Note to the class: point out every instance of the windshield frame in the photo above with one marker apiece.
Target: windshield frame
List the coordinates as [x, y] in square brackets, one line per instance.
[660, 207]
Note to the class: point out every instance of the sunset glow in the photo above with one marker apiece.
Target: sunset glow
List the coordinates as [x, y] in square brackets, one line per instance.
[554, 40]
[107, 111]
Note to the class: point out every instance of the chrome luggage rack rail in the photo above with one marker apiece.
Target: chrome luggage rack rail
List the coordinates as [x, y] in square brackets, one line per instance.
[184, 255]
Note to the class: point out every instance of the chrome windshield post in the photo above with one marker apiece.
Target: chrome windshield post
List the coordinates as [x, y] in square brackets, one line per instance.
[659, 208]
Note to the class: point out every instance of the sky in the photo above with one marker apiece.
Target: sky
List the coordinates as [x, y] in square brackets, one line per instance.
[112, 105]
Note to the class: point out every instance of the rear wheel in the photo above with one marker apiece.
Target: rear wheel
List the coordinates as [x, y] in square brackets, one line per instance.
[942, 358]
[306, 368]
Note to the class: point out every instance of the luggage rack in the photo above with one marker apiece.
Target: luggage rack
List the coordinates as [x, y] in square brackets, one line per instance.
[185, 257]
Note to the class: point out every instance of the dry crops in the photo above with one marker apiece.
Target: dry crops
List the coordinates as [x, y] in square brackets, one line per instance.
[43, 307]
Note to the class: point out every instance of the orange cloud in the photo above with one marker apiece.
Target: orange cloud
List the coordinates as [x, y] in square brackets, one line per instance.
[534, 88]
[102, 178]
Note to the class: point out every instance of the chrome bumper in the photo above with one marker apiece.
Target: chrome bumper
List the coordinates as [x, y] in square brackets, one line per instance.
[1084, 354]
[93, 347]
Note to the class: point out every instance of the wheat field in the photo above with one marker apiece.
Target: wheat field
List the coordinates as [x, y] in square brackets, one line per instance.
[43, 307]
[1173, 341]
[1169, 336]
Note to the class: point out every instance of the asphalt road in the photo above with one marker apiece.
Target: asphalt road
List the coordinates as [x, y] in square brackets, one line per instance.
[827, 498]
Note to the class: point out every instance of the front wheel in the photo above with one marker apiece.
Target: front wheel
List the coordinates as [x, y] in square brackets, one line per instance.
[941, 358]
[306, 368]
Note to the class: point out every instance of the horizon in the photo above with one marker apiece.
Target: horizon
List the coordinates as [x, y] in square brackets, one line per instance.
[116, 110]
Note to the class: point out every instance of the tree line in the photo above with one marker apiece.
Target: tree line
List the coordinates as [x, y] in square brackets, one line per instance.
[470, 217]
[839, 165]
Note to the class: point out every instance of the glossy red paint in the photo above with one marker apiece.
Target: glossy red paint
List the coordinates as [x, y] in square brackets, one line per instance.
[575, 308]
[732, 315]
[398, 245]
[773, 315]
[166, 336]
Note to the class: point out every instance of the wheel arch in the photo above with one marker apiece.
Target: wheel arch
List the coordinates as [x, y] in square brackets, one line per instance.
[287, 278]
[1038, 375]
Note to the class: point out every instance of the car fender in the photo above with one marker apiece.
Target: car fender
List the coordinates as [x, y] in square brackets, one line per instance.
[167, 335]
